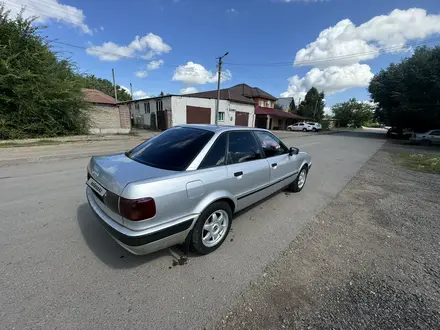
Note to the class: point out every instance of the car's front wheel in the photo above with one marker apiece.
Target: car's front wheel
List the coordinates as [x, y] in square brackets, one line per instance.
[300, 181]
[425, 143]
[212, 227]
[304, 129]
[289, 128]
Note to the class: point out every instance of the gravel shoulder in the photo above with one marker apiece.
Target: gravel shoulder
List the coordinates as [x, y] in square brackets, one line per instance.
[370, 260]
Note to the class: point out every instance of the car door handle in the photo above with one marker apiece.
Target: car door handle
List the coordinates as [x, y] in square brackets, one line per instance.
[237, 174]
[274, 165]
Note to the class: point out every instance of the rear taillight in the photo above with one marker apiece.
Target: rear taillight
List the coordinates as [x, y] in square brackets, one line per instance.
[137, 209]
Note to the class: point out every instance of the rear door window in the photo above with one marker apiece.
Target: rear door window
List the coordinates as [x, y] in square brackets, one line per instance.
[271, 145]
[217, 154]
[173, 150]
[242, 147]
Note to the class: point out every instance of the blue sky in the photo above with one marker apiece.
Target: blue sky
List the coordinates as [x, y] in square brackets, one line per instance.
[178, 41]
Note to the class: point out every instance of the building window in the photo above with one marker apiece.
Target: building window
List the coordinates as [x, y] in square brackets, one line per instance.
[261, 103]
[269, 104]
[136, 106]
[147, 107]
[159, 105]
[221, 116]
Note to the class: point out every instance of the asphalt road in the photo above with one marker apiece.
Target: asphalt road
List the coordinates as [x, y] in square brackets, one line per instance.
[60, 269]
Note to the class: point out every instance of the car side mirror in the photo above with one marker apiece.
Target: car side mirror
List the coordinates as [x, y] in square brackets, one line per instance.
[293, 151]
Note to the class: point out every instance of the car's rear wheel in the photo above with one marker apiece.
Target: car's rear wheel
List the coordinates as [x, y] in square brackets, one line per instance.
[300, 181]
[425, 142]
[304, 129]
[212, 227]
[314, 129]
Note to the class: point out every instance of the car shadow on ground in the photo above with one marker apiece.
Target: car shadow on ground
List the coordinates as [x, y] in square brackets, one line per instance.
[104, 247]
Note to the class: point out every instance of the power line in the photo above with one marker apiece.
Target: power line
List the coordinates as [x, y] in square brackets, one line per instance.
[333, 58]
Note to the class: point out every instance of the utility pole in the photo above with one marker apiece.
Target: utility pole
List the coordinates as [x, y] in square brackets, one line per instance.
[114, 85]
[219, 66]
[131, 91]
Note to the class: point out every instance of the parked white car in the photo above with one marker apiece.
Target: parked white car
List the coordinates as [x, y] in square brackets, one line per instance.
[309, 126]
[426, 139]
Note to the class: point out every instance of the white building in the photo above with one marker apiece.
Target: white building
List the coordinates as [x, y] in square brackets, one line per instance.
[166, 111]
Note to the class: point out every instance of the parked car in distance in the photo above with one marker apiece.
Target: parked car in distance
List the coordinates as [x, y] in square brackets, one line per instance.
[185, 184]
[426, 139]
[305, 126]
[399, 133]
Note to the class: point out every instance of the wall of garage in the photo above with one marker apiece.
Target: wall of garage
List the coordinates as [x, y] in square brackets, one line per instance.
[179, 106]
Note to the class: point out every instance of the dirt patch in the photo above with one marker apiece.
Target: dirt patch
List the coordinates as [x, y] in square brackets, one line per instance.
[370, 260]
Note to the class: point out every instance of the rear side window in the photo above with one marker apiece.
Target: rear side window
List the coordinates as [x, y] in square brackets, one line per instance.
[173, 150]
[242, 148]
[216, 155]
[435, 133]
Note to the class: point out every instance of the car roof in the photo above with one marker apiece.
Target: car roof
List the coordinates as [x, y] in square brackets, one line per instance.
[221, 128]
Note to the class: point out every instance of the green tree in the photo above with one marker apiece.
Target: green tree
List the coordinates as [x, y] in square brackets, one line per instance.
[278, 106]
[408, 93]
[292, 105]
[313, 105]
[105, 86]
[353, 113]
[40, 94]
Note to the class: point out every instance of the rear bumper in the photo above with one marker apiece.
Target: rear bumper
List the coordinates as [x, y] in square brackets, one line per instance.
[145, 241]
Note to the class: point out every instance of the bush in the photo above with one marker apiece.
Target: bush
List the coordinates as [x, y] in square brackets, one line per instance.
[40, 94]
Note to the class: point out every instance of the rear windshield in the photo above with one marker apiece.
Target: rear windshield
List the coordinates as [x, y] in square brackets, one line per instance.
[173, 150]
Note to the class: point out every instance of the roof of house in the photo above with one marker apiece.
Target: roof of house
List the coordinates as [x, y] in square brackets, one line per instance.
[95, 96]
[251, 92]
[225, 94]
[276, 113]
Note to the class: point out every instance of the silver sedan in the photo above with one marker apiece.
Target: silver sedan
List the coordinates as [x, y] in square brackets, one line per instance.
[185, 184]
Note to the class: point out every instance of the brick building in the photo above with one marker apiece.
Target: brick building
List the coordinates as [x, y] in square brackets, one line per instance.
[107, 116]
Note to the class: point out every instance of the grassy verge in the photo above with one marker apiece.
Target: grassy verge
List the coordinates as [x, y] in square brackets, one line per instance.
[30, 144]
[421, 162]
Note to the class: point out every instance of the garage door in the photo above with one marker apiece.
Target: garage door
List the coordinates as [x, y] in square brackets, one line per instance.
[198, 115]
[241, 118]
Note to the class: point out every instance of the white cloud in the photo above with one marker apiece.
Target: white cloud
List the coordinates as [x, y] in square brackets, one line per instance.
[125, 89]
[153, 65]
[141, 74]
[140, 94]
[328, 111]
[49, 10]
[188, 90]
[352, 44]
[194, 73]
[338, 50]
[330, 80]
[147, 46]
[102, 28]
[232, 11]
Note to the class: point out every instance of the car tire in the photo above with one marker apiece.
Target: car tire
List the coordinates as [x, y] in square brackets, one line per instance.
[304, 129]
[425, 142]
[300, 182]
[204, 241]
[314, 129]
[289, 128]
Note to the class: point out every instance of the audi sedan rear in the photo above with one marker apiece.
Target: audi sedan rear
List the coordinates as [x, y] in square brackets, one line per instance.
[185, 184]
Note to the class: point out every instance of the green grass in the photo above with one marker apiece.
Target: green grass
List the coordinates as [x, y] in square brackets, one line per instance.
[421, 162]
[31, 144]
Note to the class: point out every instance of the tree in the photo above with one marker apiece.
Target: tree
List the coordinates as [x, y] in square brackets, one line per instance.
[292, 105]
[313, 105]
[408, 93]
[105, 86]
[278, 106]
[353, 113]
[40, 94]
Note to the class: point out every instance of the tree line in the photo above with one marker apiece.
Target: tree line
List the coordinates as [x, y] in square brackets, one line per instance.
[40, 92]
